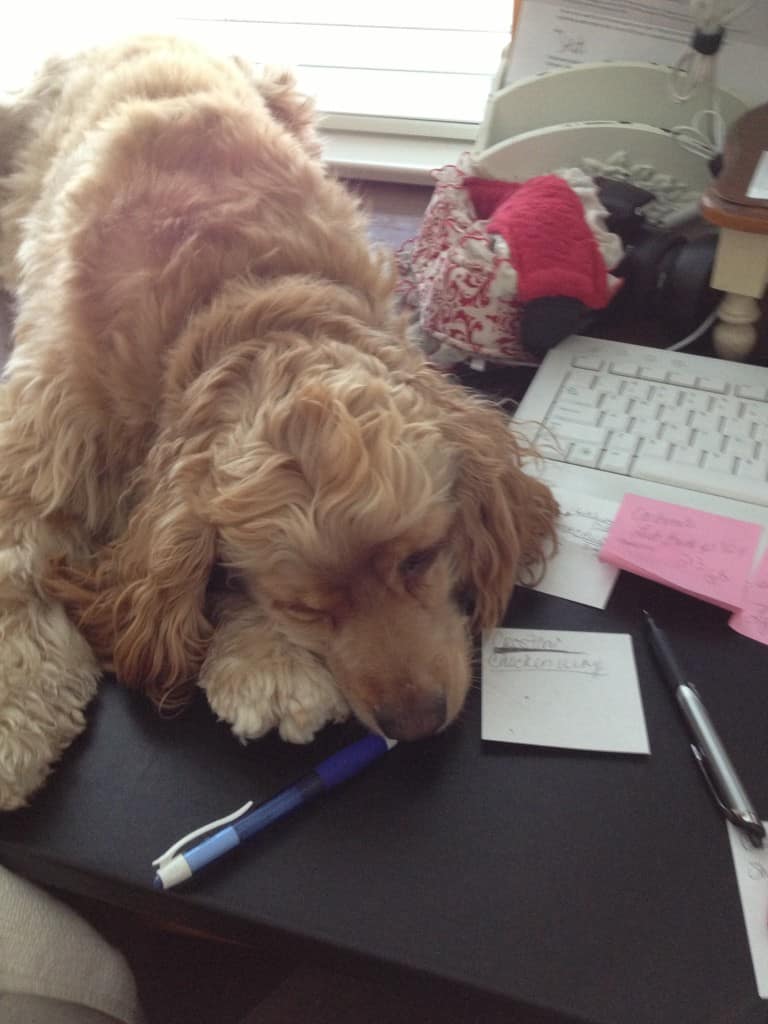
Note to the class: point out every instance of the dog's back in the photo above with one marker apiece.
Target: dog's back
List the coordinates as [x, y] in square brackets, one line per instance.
[146, 177]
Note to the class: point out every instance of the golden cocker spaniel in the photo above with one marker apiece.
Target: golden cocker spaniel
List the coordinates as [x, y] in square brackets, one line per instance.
[209, 370]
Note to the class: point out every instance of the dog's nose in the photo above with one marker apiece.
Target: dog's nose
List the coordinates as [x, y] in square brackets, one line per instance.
[413, 716]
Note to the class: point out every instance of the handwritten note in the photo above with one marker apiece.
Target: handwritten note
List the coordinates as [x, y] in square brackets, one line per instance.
[751, 866]
[752, 618]
[700, 553]
[562, 689]
[575, 572]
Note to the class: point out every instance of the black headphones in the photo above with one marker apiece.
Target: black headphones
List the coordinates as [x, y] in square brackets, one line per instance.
[666, 276]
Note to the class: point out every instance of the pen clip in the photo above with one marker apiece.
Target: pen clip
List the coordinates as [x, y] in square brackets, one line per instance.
[729, 813]
[178, 846]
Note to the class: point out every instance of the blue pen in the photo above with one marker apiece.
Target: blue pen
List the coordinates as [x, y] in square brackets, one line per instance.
[178, 864]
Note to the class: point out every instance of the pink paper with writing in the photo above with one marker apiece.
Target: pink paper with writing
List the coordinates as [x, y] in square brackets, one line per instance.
[702, 554]
[752, 618]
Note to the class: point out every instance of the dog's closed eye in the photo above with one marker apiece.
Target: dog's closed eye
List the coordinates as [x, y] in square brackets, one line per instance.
[300, 612]
[418, 562]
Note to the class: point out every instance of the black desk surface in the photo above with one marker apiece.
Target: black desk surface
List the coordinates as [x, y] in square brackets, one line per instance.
[597, 886]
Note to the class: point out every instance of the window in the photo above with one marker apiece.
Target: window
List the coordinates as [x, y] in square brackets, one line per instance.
[402, 85]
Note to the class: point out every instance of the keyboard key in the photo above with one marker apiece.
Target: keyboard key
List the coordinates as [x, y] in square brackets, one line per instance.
[580, 379]
[567, 430]
[576, 395]
[636, 389]
[645, 410]
[685, 456]
[674, 416]
[755, 391]
[684, 380]
[696, 401]
[665, 394]
[578, 413]
[714, 384]
[653, 372]
[752, 469]
[676, 434]
[741, 447]
[723, 405]
[654, 449]
[645, 427]
[615, 403]
[613, 461]
[754, 411]
[694, 478]
[584, 455]
[708, 441]
[623, 442]
[737, 429]
[703, 422]
[608, 385]
[625, 369]
[549, 448]
[588, 363]
[719, 463]
[615, 421]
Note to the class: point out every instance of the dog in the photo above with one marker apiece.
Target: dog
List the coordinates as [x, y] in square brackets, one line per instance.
[209, 372]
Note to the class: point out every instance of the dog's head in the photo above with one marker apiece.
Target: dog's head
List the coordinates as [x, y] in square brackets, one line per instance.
[367, 516]
[377, 519]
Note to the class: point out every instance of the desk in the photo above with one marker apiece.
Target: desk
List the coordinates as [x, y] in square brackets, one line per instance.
[597, 887]
[588, 887]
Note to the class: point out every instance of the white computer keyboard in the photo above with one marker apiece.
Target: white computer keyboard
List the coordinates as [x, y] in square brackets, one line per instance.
[652, 415]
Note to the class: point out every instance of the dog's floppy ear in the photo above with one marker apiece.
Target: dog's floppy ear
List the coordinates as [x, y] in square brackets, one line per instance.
[141, 602]
[506, 518]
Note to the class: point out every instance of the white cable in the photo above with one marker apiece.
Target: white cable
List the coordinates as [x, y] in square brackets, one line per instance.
[694, 69]
[697, 333]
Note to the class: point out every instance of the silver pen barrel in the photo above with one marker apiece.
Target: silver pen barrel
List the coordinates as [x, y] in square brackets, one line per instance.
[718, 764]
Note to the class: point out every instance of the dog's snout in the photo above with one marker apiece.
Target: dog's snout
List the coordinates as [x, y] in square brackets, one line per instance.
[413, 716]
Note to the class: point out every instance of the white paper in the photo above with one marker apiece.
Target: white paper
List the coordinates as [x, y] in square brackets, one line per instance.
[562, 689]
[758, 185]
[751, 866]
[575, 572]
[562, 33]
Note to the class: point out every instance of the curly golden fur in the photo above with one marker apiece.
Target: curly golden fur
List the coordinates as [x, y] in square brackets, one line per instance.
[208, 370]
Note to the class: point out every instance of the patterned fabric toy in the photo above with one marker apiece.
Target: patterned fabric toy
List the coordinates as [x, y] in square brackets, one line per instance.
[498, 263]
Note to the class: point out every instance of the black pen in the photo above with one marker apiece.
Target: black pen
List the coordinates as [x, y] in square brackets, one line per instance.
[708, 750]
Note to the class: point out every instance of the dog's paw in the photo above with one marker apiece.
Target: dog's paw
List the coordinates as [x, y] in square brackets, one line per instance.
[290, 691]
[48, 675]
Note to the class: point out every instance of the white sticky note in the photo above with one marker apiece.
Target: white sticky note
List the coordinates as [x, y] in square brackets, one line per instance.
[751, 866]
[575, 572]
[562, 689]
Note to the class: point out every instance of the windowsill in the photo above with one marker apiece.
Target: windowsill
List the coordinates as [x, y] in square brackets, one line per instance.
[405, 159]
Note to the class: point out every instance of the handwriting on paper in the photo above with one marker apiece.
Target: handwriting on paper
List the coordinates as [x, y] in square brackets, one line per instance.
[562, 689]
[752, 878]
[550, 657]
[752, 618]
[583, 519]
[700, 553]
[574, 571]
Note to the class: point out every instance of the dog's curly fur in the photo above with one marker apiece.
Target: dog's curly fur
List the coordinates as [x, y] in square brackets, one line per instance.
[208, 369]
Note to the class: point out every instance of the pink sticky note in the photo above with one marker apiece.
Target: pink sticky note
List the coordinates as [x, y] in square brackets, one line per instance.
[752, 618]
[700, 553]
